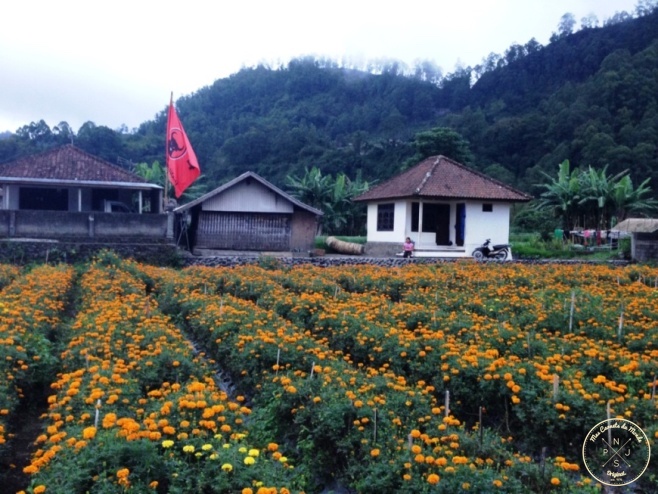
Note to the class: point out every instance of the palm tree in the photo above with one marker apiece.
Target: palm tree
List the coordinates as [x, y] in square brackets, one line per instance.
[597, 192]
[333, 197]
[628, 200]
[562, 195]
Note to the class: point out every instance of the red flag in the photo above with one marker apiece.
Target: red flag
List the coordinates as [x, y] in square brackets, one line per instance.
[182, 165]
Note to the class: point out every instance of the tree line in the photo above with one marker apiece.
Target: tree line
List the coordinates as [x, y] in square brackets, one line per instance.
[590, 96]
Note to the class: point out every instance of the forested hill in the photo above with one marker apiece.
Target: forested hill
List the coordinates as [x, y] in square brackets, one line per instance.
[590, 96]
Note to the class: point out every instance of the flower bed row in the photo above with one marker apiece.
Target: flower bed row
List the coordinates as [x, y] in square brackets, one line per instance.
[31, 311]
[348, 418]
[136, 409]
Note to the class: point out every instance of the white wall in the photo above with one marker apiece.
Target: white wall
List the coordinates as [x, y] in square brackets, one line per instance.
[399, 223]
[481, 226]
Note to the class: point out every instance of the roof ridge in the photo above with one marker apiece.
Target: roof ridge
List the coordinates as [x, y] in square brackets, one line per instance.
[428, 175]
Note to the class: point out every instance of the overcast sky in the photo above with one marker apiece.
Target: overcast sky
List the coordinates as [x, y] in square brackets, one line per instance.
[117, 62]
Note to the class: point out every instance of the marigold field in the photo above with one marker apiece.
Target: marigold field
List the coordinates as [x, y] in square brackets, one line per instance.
[265, 378]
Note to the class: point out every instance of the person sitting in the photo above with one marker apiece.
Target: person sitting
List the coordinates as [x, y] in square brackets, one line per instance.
[408, 247]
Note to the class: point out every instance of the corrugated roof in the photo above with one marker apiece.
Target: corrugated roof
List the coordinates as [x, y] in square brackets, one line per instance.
[239, 179]
[637, 225]
[439, 177]
[68, 164]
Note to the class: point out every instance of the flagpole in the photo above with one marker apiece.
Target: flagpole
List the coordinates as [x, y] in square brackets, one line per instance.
[166, 167]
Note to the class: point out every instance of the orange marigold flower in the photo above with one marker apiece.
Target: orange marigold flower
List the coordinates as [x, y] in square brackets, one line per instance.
[555, 481]
[374, 453]
[89, 432]
[39, 489]
[433, 478]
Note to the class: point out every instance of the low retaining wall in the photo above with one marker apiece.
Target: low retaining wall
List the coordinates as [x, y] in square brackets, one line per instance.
[88, 225]
[34, 251]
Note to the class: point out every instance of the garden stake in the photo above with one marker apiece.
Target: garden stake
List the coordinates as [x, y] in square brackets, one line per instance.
[481, 431]
[98, 407]
[573, 300]
[447, 402]
[556, 386]
[312, 369]
[621, 322]
[336, 292]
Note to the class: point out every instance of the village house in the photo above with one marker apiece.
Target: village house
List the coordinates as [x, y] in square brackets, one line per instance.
[446, 208]
[247, 214]
[67, 193]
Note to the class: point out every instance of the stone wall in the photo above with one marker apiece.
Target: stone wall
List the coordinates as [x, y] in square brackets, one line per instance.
[33, 251]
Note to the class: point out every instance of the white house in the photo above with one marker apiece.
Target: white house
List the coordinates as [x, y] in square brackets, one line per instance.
[446, 208]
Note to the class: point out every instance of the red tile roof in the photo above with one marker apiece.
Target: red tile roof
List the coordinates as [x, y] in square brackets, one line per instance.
[438, 177]
[67, 164]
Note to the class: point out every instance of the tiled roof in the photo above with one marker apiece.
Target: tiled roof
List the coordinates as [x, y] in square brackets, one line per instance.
[438, 177]
[67, 164]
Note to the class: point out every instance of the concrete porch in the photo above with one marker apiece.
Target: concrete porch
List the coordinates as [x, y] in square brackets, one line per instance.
[394, 249]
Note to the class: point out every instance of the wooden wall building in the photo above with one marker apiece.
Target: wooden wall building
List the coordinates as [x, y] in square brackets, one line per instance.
[247, 214]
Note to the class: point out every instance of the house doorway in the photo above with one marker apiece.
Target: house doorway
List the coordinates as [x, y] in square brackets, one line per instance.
[436, 218]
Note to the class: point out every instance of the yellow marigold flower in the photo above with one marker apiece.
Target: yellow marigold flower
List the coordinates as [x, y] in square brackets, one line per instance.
[227, 467]
[466, 486]
[249, 460]
[254, 452]
[206, 447]
[188, 448]
[167, 443]
[433, 478]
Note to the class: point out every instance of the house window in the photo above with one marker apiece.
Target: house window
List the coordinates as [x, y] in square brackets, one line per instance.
[487, 207]
[385, 217]
[42, 199]
[415, 207]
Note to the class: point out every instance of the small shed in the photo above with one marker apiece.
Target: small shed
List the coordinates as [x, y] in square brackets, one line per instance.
[247, 214]
[644, 237]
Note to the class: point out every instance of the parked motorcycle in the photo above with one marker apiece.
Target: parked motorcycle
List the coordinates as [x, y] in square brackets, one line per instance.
[499, 252]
